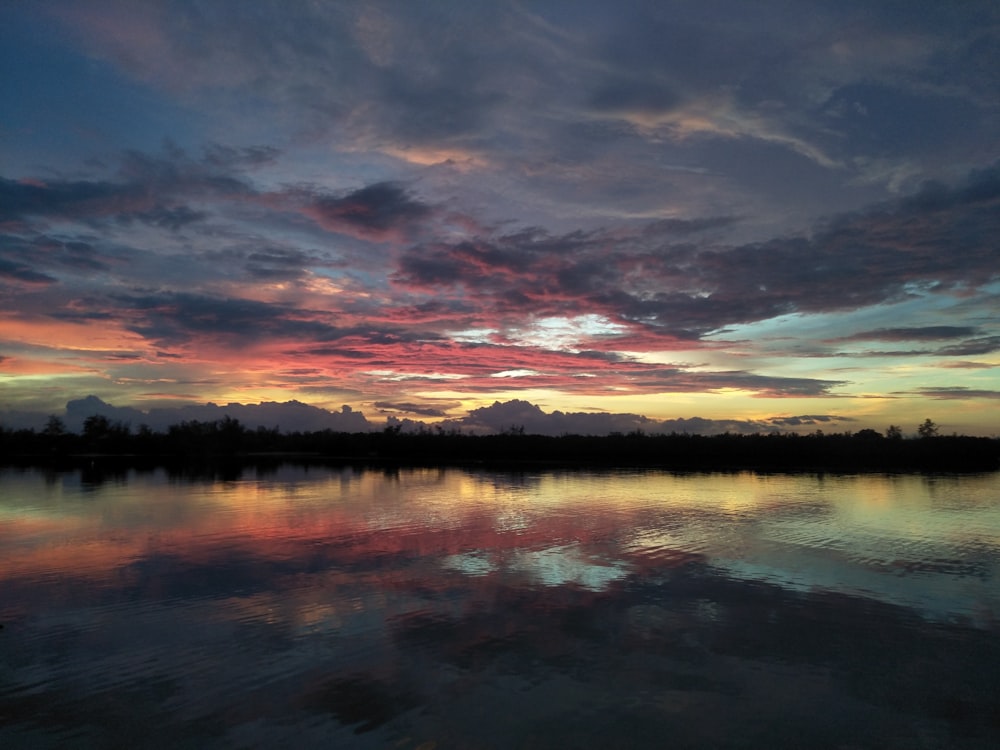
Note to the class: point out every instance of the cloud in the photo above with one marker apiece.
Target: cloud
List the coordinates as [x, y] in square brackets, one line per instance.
[631, 181]
[809, 419]
[553, 93]
[150, 189]
[968, 365]
[438, 409]
[173, 218]
[975, 345]
[290, 416]
[958, 393]
[936, 242]
[40, 259]
[652, 286]
[175, 318]
[484, 368]
[22, 273]
[499, 417]
[77, 199]
[517, 414]
[921, 333]
[971, 347]
[377, 212]
[682, 227]
[980, 345]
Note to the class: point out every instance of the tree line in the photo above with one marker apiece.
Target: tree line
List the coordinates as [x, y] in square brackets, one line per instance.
[227, 438]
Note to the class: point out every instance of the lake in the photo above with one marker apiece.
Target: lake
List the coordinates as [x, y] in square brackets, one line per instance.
[331, 606]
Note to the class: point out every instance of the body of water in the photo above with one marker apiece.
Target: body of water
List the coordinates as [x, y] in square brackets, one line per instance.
[318, 606]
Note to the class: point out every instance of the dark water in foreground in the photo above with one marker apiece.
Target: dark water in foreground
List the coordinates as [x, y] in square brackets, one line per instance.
[419, 609]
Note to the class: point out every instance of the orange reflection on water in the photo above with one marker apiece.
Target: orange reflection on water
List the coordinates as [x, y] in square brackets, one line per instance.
[447, 528]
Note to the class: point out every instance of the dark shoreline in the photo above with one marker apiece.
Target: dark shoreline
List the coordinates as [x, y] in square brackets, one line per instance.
[718, 453]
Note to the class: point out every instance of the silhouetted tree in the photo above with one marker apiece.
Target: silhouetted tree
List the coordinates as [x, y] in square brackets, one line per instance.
[54, 437]
[54, 427]
[96, 427]
[894, 432]
[927, 429]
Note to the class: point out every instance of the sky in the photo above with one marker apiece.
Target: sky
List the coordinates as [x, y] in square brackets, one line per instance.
[774, 214]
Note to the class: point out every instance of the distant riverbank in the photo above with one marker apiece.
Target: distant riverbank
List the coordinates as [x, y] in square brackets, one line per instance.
[228, 440]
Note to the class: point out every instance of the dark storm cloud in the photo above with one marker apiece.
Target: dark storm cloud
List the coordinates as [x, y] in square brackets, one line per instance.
[93, 201]
[152, 189]
[21, 200]
[173, 318]
[937, 241]
[40, 259]
[941, 240]
[20, 272]
[73, 254]
[376, 211]
[277, 263]
[173, 191]
[529, 264]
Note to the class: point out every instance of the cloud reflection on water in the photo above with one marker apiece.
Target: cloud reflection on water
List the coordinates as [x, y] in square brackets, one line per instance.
[620, 605]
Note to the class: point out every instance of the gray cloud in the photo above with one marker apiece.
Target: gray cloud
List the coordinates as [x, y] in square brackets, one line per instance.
[521, 85]
[958, 393]
[20, 272]
[152, 189]
[421, 409]
[173, 318]
[372, 212]
[289, 416]
[809, 419]
[674, 380]
[972, 347]
[21, 200]
[503, 416]
[656, 169]
[937, 241]
[920, 333]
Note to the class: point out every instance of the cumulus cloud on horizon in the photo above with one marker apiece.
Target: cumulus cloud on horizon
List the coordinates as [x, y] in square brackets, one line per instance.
[500, 417]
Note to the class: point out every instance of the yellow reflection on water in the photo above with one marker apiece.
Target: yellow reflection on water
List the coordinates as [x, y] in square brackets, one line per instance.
[469, 517]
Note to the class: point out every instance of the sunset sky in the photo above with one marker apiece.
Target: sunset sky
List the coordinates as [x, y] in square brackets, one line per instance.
[782, 213]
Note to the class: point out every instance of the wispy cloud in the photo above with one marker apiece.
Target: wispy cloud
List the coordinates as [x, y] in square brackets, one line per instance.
[958, 393]
[921, 333]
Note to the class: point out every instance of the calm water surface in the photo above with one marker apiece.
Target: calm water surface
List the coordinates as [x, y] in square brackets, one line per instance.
[417, 609]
